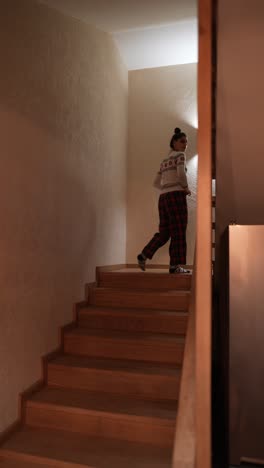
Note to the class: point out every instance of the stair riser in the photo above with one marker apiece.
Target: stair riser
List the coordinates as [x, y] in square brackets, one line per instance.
[115, 348]
[133, 322]
[143, 301]
[142, 281]
[156, 387]
[137, 429]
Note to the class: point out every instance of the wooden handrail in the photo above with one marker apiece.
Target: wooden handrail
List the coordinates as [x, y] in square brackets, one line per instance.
[192, 447]
[184, 446]
[203, 293]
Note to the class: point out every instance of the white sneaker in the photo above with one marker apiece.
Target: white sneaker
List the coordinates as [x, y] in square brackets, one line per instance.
[179, 270]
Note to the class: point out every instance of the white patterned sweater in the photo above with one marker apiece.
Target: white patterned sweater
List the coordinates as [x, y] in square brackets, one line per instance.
[172, 173]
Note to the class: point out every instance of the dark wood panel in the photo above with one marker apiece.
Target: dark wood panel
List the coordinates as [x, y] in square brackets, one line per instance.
[246, 331]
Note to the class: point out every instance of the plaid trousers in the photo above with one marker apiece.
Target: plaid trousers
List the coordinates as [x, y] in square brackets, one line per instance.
[173, 217]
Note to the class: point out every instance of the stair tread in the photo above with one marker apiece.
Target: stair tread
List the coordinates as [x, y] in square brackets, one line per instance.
[142, 292]
[86, 362]
[127, 335]
[104, 402]
[79, 449]
[150, 273]
[131, 311]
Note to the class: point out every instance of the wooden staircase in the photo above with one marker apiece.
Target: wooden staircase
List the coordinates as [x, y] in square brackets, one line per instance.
[110, 394]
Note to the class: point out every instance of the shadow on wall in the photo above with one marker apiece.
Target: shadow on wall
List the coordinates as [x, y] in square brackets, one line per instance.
[192, 174]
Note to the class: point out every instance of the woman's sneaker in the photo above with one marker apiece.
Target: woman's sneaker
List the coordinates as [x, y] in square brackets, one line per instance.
[179, 270]
[141, 262]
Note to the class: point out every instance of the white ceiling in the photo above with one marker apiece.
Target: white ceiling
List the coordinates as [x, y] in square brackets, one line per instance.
[171, 44]
[148, 33]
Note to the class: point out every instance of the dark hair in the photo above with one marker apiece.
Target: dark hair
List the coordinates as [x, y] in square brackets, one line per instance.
[177, 135]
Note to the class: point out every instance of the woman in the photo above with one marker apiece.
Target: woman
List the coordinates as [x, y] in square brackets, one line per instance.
[172, 181]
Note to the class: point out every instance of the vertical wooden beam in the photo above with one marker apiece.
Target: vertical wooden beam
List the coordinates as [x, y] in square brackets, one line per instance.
[185, 436]
[204, 239]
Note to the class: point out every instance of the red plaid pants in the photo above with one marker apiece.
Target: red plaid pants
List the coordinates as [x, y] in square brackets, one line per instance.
[173, 217]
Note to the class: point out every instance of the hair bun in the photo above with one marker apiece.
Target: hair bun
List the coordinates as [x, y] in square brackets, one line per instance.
[177, 130]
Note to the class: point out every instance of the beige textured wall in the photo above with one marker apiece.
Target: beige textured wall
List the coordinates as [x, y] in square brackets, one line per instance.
[240, 104]
[160, 99]
[63, 141]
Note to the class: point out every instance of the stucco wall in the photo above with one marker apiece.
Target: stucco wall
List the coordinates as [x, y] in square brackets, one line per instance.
[63, 141]
[160, 99]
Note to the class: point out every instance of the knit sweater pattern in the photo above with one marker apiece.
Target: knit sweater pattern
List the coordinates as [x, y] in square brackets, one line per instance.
[172, 173]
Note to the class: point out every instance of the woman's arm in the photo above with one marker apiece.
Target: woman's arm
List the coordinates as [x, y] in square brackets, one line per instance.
[157, 181]
[182, 172]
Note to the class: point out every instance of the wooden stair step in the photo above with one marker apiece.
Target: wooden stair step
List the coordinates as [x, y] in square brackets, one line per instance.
[130, 345]
[69, 450]
[103, 414]
[144, 379]
[131, 278]
[144, 299]
[21, 463]
[147, 320]
[102, 402]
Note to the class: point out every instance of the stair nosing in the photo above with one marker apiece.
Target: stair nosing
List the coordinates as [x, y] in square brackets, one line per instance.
[91, 308]
[125, 334]
[140, 291]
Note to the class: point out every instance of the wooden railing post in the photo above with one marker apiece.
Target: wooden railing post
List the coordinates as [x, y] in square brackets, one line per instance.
[185, 437]
[204, 240]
